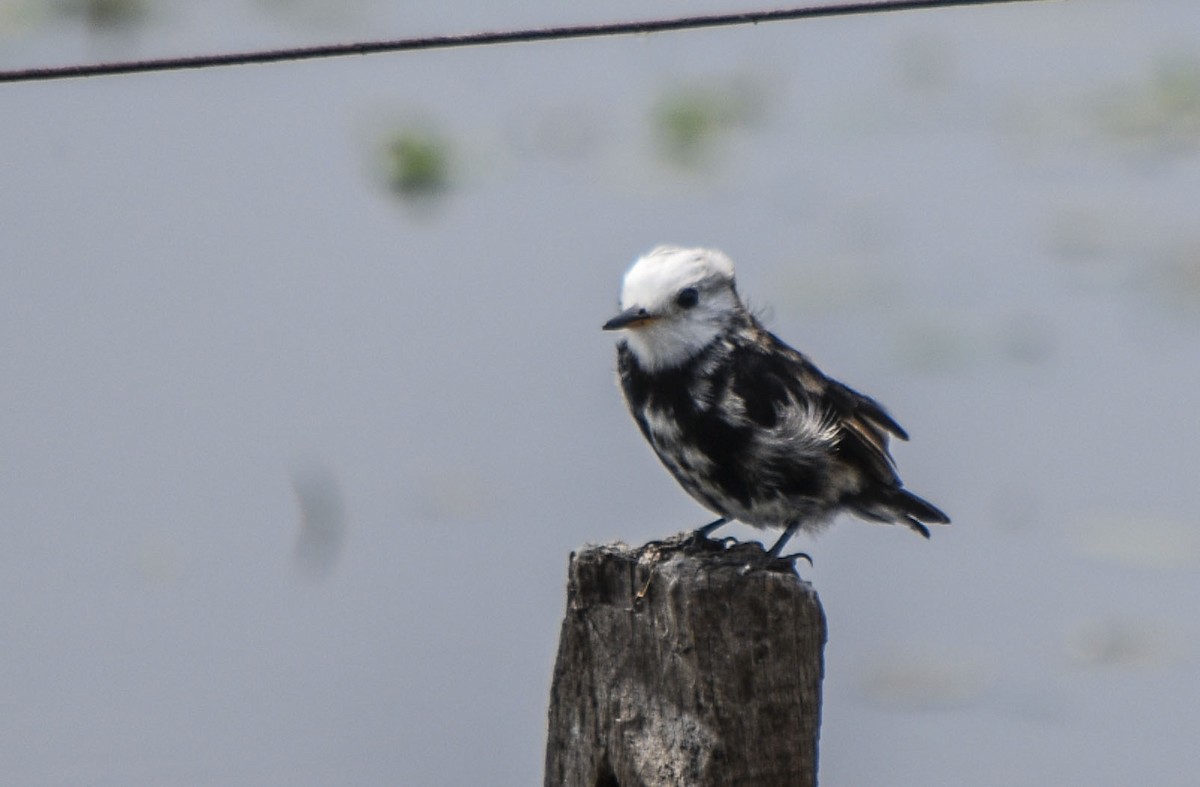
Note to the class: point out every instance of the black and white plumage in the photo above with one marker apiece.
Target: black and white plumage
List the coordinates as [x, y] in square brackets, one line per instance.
[747, 425]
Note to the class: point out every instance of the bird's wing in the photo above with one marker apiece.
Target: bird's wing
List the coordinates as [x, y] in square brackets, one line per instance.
[860, 425]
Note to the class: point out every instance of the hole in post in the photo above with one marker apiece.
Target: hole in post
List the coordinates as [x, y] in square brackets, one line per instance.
[605, 777]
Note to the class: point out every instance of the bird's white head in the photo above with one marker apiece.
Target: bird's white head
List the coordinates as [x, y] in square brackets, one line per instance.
[674, 303]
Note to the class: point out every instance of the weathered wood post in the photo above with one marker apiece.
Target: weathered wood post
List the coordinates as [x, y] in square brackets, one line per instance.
[685, 664]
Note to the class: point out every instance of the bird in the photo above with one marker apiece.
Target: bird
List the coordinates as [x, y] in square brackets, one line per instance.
[747, 425]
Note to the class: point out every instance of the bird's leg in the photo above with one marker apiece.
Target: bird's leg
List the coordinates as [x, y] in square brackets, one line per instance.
[788, 532]
[702, 532]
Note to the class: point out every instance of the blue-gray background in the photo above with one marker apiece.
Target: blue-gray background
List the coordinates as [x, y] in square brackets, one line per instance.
[291, 461]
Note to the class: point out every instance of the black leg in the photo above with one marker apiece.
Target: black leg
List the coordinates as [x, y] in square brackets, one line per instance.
[702, 532]
[788, 532]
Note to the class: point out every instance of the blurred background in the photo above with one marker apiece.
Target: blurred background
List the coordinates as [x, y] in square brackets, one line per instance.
[304, 400]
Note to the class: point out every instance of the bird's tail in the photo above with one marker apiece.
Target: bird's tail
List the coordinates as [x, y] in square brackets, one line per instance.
[914, 511]
[904, 508]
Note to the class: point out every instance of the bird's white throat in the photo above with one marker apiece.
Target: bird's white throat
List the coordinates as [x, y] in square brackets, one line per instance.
[674, 339]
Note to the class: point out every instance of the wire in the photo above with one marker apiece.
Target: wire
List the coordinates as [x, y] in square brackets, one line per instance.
[478, 39]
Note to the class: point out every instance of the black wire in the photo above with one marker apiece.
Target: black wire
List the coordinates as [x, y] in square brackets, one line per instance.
[478, 39]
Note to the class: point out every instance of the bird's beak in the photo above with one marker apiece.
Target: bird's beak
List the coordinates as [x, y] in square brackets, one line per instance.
[633, 317]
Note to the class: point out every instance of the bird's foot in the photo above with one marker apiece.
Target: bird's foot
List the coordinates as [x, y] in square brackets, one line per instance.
[702, 533]
[792, 558]
[699, 536]
[778, 546]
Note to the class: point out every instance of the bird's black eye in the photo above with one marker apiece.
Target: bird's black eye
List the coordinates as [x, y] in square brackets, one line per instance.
[687, 298]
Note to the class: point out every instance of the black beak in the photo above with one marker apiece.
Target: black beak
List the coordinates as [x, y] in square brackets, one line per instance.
[630, 318]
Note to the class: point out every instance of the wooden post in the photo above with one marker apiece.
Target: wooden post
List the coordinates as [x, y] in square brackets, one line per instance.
[685, 664]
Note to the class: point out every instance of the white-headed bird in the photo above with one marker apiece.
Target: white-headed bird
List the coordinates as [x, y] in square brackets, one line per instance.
[747, 425]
